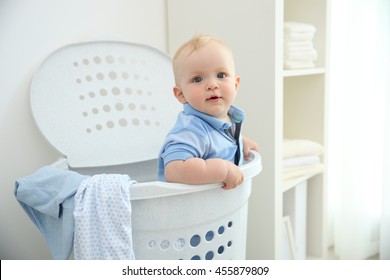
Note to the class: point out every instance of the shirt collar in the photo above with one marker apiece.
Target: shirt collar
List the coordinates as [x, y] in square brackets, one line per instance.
[236, 115]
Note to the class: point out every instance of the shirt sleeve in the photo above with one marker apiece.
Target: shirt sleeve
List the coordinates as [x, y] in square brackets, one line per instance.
[184, 145]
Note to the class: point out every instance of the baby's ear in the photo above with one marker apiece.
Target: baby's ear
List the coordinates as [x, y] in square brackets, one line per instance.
[237, 82]
[179, 95]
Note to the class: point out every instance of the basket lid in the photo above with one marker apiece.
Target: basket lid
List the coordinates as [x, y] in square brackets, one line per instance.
[105, 103]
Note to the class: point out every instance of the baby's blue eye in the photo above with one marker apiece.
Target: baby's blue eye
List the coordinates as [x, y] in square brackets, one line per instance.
[221, 75]
[197, 79]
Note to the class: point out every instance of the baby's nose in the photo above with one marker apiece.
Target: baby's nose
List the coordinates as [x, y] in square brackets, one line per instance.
[212, 85]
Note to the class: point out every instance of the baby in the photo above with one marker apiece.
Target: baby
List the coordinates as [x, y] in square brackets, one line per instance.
[205, 145]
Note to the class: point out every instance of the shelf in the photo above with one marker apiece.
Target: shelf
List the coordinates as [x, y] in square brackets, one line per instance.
[303, 72]
[290, 183]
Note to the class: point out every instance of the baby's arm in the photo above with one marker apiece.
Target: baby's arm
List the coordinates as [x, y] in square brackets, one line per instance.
[200, 171]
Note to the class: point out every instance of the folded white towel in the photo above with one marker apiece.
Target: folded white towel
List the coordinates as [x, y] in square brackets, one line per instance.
[300, 161]
[298, 37]
[307, 170]
[296, 64]
[298, 27]
[301, 147]
[299, 52]
[296, 32]
[298, 46]
[300, 55]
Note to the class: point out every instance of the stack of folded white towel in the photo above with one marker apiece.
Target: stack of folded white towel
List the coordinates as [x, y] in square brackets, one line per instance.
[299, 51]
[301, 157]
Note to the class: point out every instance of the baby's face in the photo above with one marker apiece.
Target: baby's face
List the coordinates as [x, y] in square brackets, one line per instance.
[207, 80]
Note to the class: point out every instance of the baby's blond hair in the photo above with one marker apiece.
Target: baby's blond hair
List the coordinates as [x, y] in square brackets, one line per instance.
[192, 45]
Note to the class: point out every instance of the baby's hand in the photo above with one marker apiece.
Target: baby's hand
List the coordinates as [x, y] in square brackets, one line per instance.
[234, 176]
[249, 144]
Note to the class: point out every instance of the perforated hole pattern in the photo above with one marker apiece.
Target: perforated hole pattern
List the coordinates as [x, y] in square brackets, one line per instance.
[114, 78]
[196, 240]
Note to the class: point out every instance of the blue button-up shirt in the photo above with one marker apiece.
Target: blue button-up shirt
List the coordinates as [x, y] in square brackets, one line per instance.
[196, 134]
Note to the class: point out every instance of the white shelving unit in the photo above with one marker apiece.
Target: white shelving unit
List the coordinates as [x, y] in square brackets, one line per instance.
[278, 103]
[304, 116]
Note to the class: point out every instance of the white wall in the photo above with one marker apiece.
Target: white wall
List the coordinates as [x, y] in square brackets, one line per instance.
[29, 31]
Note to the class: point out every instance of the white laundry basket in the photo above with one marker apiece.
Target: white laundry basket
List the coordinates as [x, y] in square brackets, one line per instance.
[107, 107]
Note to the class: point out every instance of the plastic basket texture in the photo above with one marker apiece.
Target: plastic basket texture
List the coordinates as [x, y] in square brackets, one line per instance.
[208, 224]
[176, 221]
[107, 107]
[105, 103]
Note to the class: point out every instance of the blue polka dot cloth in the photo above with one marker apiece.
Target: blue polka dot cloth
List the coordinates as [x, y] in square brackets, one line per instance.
[102, 216]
